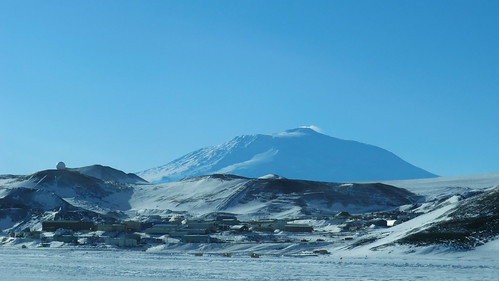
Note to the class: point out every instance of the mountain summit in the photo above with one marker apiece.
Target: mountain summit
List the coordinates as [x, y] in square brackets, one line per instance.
[301, 153]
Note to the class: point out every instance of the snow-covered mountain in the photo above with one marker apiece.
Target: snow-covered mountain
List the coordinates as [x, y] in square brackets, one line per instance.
[301, 153]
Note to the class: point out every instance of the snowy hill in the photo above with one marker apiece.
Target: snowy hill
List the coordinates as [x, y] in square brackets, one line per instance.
[300, 153]
[456, 223]
[473, 222]
[64, 193]
[274, 197]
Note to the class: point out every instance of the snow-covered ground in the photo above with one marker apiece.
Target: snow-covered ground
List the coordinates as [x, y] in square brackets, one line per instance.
[105, 265]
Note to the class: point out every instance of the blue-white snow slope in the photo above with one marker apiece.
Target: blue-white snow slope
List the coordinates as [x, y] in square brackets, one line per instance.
[301, 153]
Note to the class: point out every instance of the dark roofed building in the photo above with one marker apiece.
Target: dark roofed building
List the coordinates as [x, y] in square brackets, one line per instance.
[52, 226]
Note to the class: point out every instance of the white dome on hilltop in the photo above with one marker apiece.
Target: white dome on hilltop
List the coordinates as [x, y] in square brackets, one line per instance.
[61, 166]
[271, 177]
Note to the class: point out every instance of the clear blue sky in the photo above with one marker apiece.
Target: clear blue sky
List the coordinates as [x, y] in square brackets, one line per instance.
[135, 84]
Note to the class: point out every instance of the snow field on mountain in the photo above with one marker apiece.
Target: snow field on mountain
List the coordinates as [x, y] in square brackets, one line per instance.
[199, 196]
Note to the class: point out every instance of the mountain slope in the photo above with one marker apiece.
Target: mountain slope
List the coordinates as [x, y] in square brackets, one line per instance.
[251, 198]
[300, 153]
[75, 188]
[473, 222]
[457, 223]
[64, 194]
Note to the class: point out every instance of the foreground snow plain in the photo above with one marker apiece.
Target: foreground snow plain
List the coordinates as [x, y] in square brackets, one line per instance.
[90, 264]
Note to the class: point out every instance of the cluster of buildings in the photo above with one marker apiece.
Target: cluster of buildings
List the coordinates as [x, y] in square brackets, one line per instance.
[156, 230]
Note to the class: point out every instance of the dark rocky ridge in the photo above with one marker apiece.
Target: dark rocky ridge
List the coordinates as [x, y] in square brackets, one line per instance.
[472, 223]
